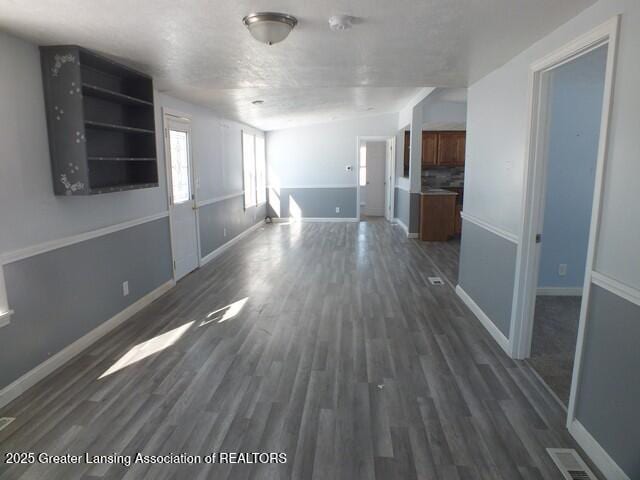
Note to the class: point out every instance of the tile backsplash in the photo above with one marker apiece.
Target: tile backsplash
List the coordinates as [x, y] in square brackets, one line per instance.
[443, 177]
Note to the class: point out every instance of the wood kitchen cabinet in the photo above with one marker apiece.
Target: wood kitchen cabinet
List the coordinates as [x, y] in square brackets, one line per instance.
[437, 217]
[429, 149]
[445, 149]
[451, 148]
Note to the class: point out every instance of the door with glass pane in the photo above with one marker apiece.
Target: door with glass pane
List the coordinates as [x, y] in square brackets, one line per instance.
[182, 206]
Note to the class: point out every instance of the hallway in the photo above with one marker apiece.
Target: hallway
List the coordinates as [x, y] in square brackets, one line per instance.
[324, 341]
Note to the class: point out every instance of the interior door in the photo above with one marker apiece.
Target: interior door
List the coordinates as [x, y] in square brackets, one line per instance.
[376, 159]
[182, 206]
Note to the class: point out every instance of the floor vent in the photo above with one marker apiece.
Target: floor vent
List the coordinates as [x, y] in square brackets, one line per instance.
[5, 421]
[435, 281]
[570, 464]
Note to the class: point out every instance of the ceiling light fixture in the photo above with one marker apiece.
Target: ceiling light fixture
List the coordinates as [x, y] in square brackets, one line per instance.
[269, 27]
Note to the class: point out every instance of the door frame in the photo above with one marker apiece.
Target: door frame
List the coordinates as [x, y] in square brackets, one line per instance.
[376, 138]
[533, 193]
[174, 115]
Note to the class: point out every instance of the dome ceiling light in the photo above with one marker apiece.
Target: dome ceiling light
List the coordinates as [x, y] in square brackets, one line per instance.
[269, 27]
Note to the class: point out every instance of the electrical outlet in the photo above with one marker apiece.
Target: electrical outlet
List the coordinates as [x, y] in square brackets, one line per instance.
[224, 232]
[125, 288]
[562, 269]
[337, 209]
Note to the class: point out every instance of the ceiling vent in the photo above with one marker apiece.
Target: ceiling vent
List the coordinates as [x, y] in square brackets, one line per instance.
[570, 464]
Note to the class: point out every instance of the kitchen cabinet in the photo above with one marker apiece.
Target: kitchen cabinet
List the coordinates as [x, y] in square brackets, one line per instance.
[429, 149]
[437, 216]
[445, 149]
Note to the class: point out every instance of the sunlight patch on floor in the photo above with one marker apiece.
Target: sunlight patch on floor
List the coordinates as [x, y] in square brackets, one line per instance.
[148, 348]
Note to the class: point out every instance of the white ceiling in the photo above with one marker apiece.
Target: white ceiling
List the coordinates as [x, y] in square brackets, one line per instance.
[198, 50]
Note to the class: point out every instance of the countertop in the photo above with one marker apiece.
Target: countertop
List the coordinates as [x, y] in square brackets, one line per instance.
[437, 191]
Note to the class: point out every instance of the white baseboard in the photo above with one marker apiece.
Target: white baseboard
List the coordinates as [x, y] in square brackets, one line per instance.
[314, 219]
[596, 453]
[559, 291]
[210, 256]
[26, 381]
[401, 224]
[497, 335]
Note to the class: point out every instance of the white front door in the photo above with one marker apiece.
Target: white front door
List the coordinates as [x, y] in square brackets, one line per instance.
[182, 207]
[376, 158]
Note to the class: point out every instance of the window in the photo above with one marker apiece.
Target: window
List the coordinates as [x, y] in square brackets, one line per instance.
[254, 170]
[179, 166]
[363, 165]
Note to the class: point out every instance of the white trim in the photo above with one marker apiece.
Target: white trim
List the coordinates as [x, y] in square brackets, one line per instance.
[19, 386]
[559, 291]
[401, 224]
[390, 181]
[616, 287]
[44, 247]
[315, 220]
[220, 199]
[491, 228]
[402, 187]
[210, 256]
[596, 453]
[293, 187]
[359, 140]
[491, 327]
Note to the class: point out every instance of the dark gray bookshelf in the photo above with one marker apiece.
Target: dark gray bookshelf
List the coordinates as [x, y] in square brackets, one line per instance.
[101, 123]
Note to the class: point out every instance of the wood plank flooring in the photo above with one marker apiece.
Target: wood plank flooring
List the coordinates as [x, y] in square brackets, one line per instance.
[343, 356]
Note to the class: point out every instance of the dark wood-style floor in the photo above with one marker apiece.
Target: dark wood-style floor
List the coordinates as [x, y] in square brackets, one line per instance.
[553, 347]
[343, 356]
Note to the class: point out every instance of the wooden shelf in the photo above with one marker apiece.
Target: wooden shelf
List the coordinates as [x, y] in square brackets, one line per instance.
[122, 159]
[113, 126]
[95, 91]
[106, 141]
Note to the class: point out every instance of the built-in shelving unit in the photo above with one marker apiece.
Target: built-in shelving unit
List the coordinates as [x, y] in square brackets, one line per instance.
[101, 123]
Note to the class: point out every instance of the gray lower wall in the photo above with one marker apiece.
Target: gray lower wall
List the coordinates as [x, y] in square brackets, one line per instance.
[487, 272]
[314, 202]
[406, 208]
[608, 400]
[61, 295]
[226, 214]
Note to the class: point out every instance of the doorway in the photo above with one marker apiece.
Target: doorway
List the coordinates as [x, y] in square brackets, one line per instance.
[574, 105]
[182, 199]
[564, 132]
[376, 177]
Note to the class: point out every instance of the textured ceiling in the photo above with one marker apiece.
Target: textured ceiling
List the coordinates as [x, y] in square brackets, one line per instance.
[198, 50]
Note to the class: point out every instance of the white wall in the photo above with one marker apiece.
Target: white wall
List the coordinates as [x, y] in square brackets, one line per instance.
[496, 136]
[216, 148]
[30, 213]
[317, 155]
[438, 113]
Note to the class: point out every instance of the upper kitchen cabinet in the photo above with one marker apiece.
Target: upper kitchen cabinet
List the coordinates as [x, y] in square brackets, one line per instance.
[101, 124]
[451, 148]
[429, 149]
[445, 149]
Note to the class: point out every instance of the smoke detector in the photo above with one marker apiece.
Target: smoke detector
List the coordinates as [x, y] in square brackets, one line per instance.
[339, 23]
